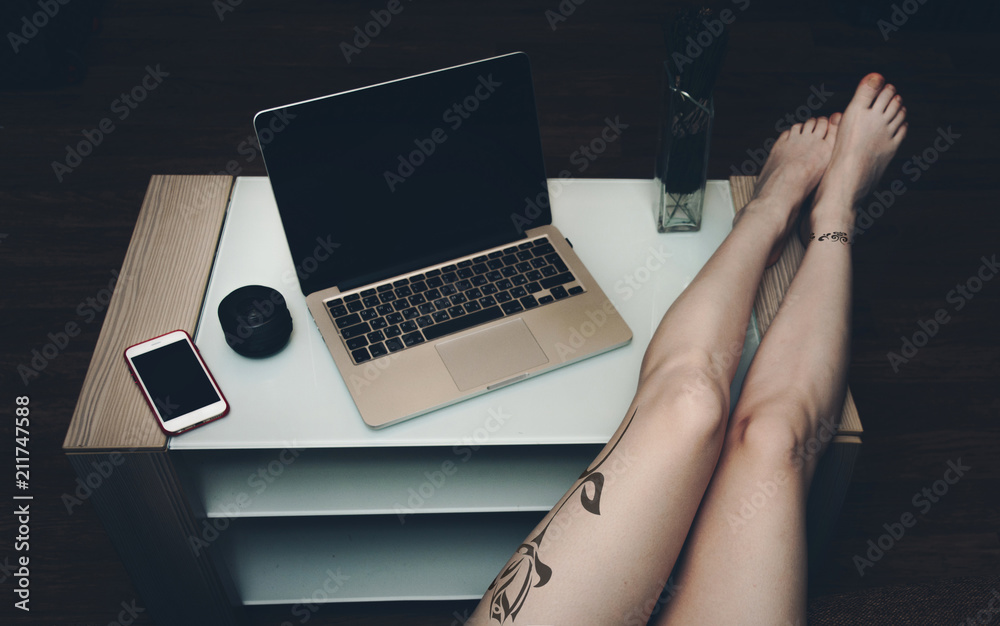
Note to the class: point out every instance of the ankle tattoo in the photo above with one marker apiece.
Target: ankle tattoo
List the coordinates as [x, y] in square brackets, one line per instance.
[835, 236]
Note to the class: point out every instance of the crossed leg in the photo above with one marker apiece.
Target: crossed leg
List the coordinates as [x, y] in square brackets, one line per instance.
[745, 561]
[604, 552]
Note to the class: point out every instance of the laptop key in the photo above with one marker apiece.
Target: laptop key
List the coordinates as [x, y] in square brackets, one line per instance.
[496, 254]
[549, 270]
[337, 310]
[480, 268]
[529, 302]
[394, 318]
[355, 306]
[524, 255]
[411, 313]
[510, 259]
[533, 287]
[394, 344]
[523, 267]
[418, 286]
[348, 320]
[474, 294]
[352, 296]
[465, 263]
[401, 305]
[461, 323]
[541, 241]
[377, 350]
[384, 288]
[403, 292]
[512, 307]
[353, 331]
[447, 268]
[441, 316]
[546, 300]
[479, 281]
[463, 285]
[494, 264]
[487, 301]
[510, 250]
[416, 278]
[442, 303]
[408, 326]
[432, 295]
[447, 290]
[424, 320]
[538, 262]
[371, 301]
[503, 296]
[456, 311]
[434, 281]
[472, 307]
[479, 259]
[417, 300]
[534, 275]
[459, 298]
[401, 282]
[368, 314]
[426, 308]
[367, 292]
[489, 289]
[518, 292]
[508, 271]
[431, 273]
[376, 336]
[558, 279]
[392, 331]
[525, 245]
[504, 284]
[387, 296]
[543, 249]
[575, 290]
[378, 322]
[465, 272]
[559, 292]
[520, 279]
[412, 339]
[357, 342]
[361, 355]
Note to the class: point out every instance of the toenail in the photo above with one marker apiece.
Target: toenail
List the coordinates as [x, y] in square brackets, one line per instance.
[875, 81]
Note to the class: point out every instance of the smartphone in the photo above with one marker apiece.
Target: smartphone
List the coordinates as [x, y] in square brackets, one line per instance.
[176, 382]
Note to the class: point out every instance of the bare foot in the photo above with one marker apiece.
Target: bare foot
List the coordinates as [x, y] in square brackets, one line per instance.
[872, 127]
[793, 169]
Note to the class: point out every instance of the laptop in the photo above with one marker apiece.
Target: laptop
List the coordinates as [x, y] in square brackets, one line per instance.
[417, 216]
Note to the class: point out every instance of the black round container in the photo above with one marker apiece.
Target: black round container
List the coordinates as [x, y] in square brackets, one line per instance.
[255, 320]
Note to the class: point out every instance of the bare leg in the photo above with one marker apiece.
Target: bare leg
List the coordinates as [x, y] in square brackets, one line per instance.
[608, 546]
[746, 559]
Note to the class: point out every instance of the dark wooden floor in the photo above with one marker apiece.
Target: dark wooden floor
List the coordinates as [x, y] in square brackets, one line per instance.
[60, 242]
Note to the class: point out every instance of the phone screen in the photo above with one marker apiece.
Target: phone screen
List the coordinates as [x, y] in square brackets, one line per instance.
[175, 380]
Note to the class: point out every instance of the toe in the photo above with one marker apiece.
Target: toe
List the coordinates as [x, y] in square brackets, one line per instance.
[821, 126]
[835, 118]
[885, 97]
[898, 120]
[868, 89]
[894, 106]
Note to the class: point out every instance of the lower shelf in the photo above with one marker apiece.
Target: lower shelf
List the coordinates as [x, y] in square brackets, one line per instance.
[370, 558]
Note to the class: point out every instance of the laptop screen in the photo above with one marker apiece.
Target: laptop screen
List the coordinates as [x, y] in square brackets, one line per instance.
[386, 179]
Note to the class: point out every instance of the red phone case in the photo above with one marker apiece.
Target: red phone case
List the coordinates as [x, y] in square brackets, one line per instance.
[156, 416]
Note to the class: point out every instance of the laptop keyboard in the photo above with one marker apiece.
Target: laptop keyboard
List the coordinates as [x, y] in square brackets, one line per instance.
[407, 312]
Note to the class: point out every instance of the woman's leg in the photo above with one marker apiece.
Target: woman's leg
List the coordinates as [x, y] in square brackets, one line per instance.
[605, 550]
[745, 561]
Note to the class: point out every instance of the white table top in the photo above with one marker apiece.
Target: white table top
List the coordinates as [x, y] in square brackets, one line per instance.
[297, 398]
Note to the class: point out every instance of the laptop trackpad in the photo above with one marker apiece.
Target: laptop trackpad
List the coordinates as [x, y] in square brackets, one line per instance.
[491, 355]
